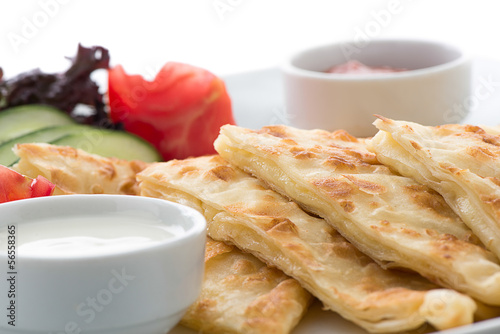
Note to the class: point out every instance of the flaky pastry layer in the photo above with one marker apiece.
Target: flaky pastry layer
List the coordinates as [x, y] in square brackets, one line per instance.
[241, 295]
[461, 162]
[74, 171]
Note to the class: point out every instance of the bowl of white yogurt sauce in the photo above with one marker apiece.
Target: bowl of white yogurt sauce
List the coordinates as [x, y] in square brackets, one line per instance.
[107, 264]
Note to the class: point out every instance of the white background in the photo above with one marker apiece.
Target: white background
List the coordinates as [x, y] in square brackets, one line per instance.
[249, 34]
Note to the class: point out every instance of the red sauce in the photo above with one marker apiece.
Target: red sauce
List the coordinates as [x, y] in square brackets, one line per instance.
[355, 67]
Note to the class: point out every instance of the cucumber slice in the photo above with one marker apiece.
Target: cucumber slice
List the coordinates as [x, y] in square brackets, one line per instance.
[45, 135]
[108, 143]
[17, 121]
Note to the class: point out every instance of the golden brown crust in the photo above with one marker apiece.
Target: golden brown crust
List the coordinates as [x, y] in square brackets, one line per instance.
[241, 295]
[76, 172]
[387, 216]
[215, 248]
[458, 161]
[241, 211]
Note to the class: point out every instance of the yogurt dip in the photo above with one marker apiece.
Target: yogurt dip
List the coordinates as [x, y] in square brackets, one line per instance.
[87, 235]
[98, 264]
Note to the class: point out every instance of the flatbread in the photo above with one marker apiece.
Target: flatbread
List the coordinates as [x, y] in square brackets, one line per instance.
[74, 171]
[392, 218]
[461, 162]
[241, 295]
[240, 210]
[492, 130]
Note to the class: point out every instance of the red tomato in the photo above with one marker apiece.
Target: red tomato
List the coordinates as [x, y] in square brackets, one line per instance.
[180, 112]
[15, 186]
[41, 187]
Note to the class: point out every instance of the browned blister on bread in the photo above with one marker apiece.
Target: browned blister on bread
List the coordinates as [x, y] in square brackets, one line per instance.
[392, 218]
[240, 210]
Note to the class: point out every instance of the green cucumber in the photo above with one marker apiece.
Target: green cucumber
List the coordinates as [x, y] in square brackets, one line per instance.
[108, 143]
[45, 135]
[17, 121]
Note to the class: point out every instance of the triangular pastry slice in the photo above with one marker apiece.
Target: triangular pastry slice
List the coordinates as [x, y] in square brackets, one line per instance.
[240, 210]
[392, 218]
[461, 162]
[74, 171]
[241, 295]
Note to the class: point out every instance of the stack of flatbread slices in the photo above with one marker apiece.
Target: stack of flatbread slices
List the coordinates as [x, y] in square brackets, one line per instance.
[393, 233]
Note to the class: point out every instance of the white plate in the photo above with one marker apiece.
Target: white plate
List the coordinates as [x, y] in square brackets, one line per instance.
[258, 101]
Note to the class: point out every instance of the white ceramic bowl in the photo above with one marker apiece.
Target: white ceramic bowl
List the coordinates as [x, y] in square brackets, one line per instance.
[144, 289]
[434, 90]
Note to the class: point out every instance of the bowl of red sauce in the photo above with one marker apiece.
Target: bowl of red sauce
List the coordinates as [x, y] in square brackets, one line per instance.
[343, 85]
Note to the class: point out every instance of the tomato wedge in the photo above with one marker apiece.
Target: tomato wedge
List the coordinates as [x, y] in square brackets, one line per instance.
[15, 186]
[41, 187]
[180, 112]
